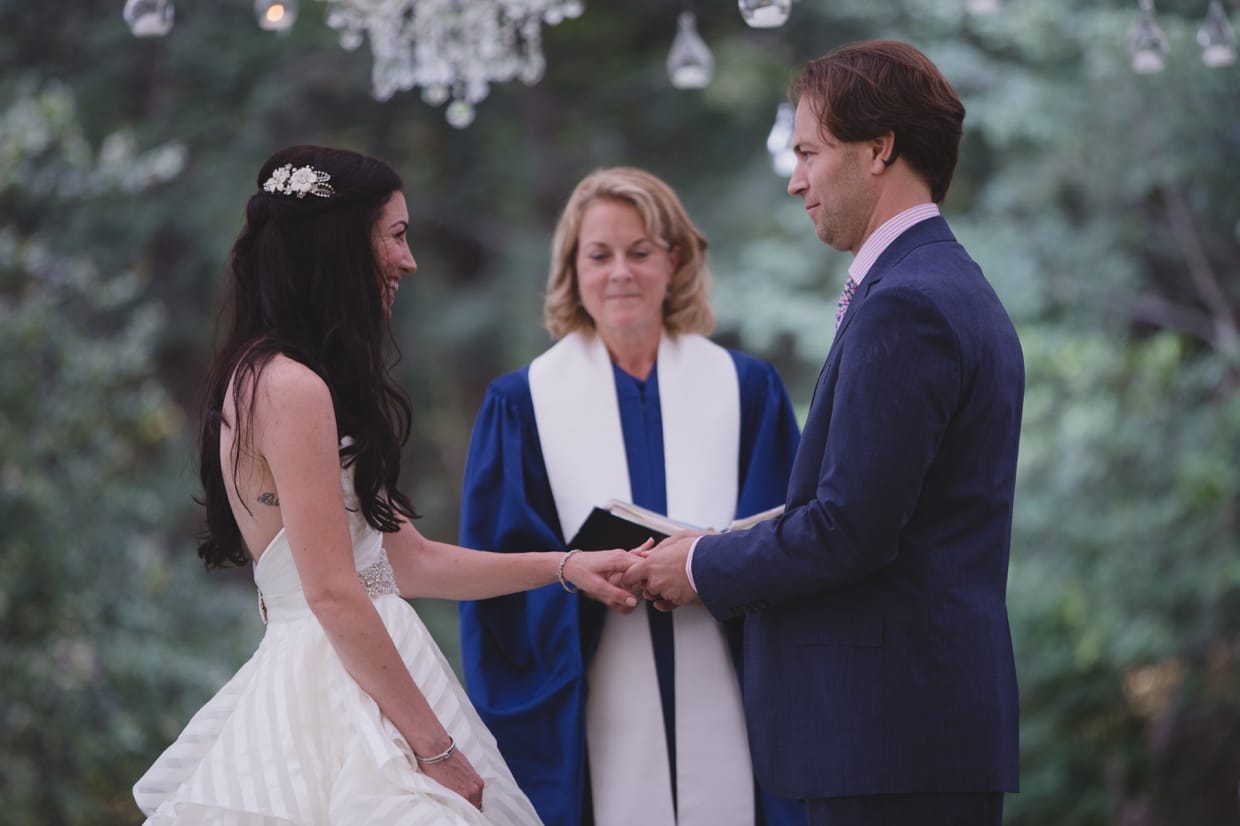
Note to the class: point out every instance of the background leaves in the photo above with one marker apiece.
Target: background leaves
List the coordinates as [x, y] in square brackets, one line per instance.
[1103, 205]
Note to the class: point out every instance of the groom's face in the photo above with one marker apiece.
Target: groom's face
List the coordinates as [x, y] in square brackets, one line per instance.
[832, 178]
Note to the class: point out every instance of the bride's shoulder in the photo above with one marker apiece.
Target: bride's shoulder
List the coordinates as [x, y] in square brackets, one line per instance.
[289, 393]
[286, 378]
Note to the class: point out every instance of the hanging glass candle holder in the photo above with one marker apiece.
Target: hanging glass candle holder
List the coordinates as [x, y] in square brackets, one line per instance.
[149, 18]
[1147, 43]
[690, 64]
[275, 15]
[981, 7]
[779, 141]
[764, 14]
[1217, 38]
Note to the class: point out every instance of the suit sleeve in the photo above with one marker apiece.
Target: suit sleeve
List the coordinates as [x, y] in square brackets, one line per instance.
[886, 407]
[521, 652]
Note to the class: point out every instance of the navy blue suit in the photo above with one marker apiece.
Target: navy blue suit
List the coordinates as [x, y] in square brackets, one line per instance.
[878, 658]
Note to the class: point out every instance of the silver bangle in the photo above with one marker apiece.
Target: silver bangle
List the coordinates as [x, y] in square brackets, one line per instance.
[568, 586]
[438, 758]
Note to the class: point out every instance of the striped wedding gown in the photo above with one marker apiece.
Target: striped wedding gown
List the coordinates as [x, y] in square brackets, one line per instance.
[292, 739]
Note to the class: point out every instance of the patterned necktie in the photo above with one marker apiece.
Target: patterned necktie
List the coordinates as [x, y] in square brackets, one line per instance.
[846, 297]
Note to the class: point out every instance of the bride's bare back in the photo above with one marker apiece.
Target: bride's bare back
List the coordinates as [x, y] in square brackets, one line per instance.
[252, 492]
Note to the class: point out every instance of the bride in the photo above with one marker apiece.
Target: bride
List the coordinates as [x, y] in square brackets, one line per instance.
[347, 712]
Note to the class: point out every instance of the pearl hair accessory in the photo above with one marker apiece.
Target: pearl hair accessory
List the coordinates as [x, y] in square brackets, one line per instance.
[286, 180]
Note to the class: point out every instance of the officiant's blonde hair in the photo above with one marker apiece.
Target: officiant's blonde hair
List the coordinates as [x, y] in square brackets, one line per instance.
[687, 306]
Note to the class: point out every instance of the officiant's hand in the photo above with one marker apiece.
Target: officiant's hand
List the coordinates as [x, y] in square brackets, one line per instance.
[661, 572]
[598, 575]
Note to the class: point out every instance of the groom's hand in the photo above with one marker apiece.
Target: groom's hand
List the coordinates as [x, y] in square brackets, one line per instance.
[661, 573]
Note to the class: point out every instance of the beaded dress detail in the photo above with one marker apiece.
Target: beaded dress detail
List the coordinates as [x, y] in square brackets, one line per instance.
[292, 739]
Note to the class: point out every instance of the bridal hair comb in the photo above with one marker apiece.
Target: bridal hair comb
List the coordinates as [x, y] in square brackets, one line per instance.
[286, 180]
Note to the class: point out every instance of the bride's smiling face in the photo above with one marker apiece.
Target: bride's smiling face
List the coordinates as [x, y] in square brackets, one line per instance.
[391, 247]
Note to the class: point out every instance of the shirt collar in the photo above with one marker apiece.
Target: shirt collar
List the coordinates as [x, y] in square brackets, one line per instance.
[882, 237]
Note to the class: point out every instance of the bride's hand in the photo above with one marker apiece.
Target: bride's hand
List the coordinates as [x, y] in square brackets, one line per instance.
[593, 571]
[617, 579]
[457, 773]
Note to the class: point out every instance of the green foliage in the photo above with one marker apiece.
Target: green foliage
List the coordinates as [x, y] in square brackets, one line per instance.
[1103, 205]
[1126, 570]
[111, 635]
[1097, 203]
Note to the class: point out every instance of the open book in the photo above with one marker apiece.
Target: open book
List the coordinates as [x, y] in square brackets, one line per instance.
[620, 524]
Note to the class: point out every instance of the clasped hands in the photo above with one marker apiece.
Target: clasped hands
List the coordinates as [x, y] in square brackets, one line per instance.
[649, 571]
[659, 574]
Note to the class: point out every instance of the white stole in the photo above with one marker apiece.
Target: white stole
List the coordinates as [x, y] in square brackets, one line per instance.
[578, 418]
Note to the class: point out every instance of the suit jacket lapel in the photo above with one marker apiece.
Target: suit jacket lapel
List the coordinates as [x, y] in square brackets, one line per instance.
[929, 231]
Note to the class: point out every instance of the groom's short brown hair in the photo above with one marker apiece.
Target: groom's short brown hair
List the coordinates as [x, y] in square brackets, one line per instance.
[864, 90]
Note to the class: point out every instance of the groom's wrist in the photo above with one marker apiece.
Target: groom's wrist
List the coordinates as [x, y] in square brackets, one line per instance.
[689, 564]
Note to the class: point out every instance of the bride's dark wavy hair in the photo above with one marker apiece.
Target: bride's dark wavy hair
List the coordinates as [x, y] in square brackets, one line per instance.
[304, 283]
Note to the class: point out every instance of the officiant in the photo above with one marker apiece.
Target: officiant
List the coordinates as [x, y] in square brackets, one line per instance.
[611, 718]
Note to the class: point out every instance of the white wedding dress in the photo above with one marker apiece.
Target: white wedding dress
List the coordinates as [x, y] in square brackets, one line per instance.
[292, 739]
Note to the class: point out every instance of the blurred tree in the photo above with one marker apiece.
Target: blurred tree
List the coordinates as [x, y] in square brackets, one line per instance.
[1102, 204]
[1098, 201]
[108, 641]
[1124, 589]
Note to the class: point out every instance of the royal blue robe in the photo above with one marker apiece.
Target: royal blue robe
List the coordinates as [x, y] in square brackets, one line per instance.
[526, 655]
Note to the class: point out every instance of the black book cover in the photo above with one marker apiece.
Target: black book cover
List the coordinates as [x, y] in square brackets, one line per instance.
[603, 530]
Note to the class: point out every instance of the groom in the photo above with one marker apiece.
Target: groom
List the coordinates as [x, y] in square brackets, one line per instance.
[880, 686]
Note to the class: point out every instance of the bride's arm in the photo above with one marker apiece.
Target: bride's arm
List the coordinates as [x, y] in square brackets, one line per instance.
[295, 430]
[426, 568]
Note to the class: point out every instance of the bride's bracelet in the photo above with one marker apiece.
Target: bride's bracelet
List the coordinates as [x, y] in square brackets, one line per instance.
[568, 586]
[438, 758]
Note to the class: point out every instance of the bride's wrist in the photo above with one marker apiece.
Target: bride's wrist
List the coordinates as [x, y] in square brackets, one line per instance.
[428, 747]
[561, 571]
[440, 756]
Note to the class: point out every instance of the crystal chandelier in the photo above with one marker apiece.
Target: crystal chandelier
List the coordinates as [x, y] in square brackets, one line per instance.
[449, 48]
[453, 50]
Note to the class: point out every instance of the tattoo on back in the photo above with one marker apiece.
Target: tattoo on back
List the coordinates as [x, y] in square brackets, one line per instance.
[269, 498]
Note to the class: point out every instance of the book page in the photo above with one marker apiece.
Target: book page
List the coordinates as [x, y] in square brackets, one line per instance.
[753, 519]
[666, 525]
[648, 518]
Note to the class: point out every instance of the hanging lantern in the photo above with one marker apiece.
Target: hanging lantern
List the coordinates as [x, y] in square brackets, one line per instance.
[1217, 38]
[1147, 43]
[779, 141]
[275, 15]
[981, 7]
[690, 64]
[765, 14]
[149, 18]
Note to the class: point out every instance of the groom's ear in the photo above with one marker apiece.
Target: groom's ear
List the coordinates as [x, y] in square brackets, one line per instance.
[882, 151]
